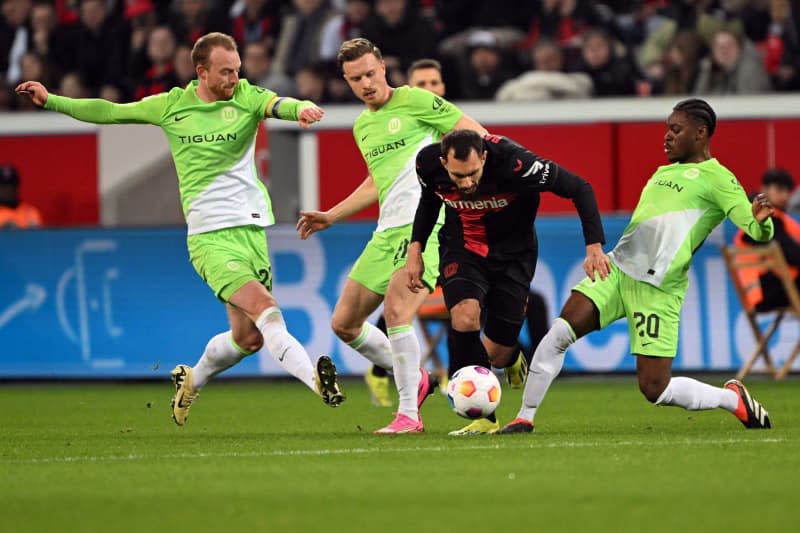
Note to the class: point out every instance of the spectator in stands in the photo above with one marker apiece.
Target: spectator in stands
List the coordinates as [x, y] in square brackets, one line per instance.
[258, 21]
[14, 213]
[160, 76]
[299, 39]
[681, 64]
[196, 18]
[184, 68]
[612, 73]
[680, 15]
[310, 83]
[142, 19]
[768, 294]
[257, 68]
[344, 26]
[43, 26]
[402, 35]
[72, 86]
[14, 37]
[547, 80]
[96, 48]
[781, 47]
[506, 20]
[733, 67]
[485, 70]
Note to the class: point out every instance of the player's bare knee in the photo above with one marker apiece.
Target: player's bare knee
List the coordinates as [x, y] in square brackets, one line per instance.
[250, 342]
[345, 331]
[652, 388]
[397, 314]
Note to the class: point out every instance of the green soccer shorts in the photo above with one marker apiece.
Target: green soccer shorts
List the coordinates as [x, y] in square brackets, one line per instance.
[386, 252]
[653, 315]
[228, 258]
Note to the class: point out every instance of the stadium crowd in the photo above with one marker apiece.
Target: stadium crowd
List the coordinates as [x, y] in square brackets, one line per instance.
[123, 50]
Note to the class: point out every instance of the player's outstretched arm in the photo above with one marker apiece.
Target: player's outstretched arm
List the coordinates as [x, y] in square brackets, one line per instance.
[363, 196]
[35, 90]
[468, 123]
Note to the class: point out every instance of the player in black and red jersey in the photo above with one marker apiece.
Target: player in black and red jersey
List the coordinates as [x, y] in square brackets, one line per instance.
[490, 187]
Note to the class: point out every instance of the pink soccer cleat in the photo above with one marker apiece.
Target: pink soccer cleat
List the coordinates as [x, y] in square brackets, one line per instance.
[427, 384]
[401, 424]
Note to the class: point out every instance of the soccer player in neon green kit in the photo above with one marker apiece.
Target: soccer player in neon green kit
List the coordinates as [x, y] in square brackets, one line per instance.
[211, 127]
[678, 208]
[397, 123]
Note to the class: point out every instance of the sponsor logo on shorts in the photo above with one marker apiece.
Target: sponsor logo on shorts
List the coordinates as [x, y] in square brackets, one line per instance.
[450, 270]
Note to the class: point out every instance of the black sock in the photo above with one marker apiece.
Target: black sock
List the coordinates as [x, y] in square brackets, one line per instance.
[465, 348]
[379, 371]
[491, 418]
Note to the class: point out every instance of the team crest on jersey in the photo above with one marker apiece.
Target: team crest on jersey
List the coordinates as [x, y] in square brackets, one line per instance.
[229, 114]
[394, 125]
[691, 173]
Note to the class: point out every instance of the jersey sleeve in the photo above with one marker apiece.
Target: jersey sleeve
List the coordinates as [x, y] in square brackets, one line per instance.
[429, 203]
[433, 110]
[259, 99]
[727, 193]
[532, 172]
[149, 110]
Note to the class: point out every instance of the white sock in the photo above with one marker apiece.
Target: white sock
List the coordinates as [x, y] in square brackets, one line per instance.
[221, 353]
[284, 348]
[697, 396]
[545, 366]
[405, 361]
[374, 345]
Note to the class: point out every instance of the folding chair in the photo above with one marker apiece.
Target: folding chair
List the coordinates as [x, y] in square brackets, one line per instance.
[745, 263]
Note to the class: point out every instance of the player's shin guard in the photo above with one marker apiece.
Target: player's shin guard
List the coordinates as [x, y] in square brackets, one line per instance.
[406, 357]
[465, 348]
[695, 395]
[373, 344]
[220, 354]
[545, 366]
[284, 348]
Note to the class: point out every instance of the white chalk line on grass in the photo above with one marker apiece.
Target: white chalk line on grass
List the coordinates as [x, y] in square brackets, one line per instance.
[364, 451]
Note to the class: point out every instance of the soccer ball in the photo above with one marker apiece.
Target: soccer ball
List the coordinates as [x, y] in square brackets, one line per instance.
[474, 392]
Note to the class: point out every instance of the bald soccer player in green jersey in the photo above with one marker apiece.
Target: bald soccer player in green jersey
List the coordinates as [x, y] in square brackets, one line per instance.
[396, 124]
[211, 127]
[679, 207]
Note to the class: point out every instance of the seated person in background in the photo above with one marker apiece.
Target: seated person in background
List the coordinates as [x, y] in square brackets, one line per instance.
[547, 80]
[777, 184]
[15, 214]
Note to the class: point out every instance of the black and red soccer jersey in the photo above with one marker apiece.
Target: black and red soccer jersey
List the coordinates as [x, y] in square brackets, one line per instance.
[498, 221]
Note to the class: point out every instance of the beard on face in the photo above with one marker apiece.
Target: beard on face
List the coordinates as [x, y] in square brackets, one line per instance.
[473, 195]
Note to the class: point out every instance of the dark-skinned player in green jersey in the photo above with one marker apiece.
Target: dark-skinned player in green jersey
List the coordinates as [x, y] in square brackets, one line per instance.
[679, 207]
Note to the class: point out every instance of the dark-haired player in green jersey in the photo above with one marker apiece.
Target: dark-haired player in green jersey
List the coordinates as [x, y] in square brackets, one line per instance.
[211, 127]
[680, 205]
[396, 124]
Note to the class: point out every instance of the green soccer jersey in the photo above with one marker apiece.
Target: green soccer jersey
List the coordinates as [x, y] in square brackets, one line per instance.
[389, 139]
[678, 208]
[212, 144]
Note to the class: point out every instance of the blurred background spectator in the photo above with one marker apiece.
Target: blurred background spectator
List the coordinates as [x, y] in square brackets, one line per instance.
[733, 67]
[625, 47]
[547, 80]
[14, 213]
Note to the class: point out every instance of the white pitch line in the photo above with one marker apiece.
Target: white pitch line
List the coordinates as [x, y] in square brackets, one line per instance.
[363, 451]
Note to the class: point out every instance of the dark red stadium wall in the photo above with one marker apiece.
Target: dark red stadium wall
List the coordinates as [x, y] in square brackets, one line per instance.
[618, 158]
[58, 174]
[586, 149]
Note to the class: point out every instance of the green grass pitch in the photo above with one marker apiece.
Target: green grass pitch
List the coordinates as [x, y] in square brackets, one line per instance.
[269, 456]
